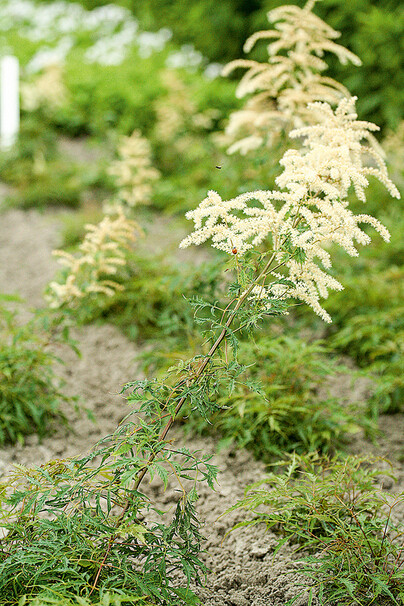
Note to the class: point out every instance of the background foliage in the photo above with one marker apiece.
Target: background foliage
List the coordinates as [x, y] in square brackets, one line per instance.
[378, 83]
[31, 394]
[220, 30]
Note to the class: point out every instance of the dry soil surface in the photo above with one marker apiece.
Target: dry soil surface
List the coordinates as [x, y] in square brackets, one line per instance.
[244, 571]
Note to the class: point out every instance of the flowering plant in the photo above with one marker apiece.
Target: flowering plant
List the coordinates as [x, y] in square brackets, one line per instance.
[101, 254]
[313, 214]
[91, 508]
[133, 172]
[105, 245]
[279, 242]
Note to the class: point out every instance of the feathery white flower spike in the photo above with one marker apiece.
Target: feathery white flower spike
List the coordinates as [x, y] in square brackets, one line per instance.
[133, 173]
[101, 253]
[311, 214]
[281, 89]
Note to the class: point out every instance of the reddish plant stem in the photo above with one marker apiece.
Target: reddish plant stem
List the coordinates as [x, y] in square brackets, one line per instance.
[111, 540]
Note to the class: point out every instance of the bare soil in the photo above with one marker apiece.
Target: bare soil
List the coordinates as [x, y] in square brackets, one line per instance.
[243, 569]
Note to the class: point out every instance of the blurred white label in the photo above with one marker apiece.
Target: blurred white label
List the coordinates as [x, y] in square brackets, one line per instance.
[9, 101]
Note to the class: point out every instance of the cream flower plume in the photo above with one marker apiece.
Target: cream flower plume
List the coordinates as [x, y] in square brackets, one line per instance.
[101, 254]
[281, 89]
[313, 212]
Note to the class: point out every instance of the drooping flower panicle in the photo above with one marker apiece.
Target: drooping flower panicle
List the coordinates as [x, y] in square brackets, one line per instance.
[133, 172]
[281, 89]
[313, 211]
[101, 254]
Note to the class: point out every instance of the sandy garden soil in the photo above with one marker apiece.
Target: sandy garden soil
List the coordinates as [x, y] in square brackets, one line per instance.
[244, 571]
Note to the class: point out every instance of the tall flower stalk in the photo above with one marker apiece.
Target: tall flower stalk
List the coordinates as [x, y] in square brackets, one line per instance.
[292, 243]
[291, 239]
[279, 241]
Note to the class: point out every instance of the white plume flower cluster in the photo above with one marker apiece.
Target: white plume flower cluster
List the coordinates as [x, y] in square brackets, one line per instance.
[47, 89]
[282, 88]
[133, 172]
[312, 213]
[101, 254]
[103, 250]
[107, 33]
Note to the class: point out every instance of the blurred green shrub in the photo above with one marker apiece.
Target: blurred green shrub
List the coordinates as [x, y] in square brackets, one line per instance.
[123, 97]
[368, 325]
[41, 174]
[110, 97]
[372, 30]
[55, 189]
[30, 392]
[27, 159]
[382, 291]
[376, 341]
[219, 31]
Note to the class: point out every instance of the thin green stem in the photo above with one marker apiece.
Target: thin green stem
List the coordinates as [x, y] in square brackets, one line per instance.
[199, 374]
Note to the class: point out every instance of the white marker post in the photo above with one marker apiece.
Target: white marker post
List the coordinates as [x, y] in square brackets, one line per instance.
[9, 101]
